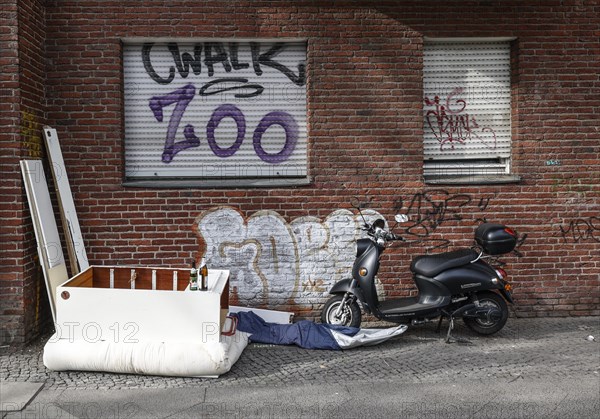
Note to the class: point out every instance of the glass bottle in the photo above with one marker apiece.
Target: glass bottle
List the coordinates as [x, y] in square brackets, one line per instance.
[203, 275]
[193, 278]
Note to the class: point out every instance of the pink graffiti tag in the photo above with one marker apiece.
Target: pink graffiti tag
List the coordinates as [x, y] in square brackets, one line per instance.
[450, 124]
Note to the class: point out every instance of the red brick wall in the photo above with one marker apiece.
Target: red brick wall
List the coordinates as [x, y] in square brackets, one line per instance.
[24, 308]
[365, 130]
[11, 277]
[32, 115]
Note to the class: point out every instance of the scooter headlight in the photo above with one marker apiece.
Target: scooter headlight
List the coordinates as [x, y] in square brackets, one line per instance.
[363, 271]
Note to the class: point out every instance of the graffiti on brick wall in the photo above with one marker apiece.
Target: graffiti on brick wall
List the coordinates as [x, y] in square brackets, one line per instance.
[273, 262]
[581, 230]
[451, 124]
[31, 135]
[432, 208]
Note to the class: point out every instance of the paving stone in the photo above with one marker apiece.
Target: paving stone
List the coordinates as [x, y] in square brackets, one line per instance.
[525, 348]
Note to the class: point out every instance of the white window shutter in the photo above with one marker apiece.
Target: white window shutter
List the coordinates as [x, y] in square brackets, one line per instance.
[467, 107]
[215, 110]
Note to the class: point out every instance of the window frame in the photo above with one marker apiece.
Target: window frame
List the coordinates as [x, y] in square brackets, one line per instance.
[286, 177]
[465, 170]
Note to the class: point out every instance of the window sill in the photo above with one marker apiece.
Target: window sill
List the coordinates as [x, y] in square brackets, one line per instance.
[472, 179]
[216, 183]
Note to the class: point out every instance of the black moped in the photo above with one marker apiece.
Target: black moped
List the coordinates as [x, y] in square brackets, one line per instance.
[451, 285]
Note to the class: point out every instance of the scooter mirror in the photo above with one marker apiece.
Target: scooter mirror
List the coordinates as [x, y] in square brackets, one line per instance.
[401, 218]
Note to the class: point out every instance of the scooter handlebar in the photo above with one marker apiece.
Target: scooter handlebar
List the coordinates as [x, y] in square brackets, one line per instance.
[378, 233]
[392, 236]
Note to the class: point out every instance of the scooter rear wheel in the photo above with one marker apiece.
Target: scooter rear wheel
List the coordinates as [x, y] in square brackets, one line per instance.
[489, 326]
[350, 315]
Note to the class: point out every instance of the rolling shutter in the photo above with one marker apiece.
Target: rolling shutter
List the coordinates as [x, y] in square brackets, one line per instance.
[467, 107]
[215, 110]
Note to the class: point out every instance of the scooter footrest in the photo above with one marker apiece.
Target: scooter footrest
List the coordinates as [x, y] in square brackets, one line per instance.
[406, 306]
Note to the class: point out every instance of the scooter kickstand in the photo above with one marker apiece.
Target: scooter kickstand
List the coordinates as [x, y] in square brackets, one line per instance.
[452, 339]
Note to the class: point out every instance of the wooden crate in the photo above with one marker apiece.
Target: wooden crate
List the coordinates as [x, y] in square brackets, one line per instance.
[135, 304]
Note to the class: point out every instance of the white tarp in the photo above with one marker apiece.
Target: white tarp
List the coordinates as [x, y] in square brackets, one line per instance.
[367, 337]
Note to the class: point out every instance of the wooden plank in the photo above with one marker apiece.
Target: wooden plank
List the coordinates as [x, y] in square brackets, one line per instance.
[83, 279]
[56, 276]
[144, 278]
[44, 225]
[77, 254]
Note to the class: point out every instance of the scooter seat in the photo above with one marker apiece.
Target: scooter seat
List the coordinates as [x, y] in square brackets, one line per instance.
[431, 265]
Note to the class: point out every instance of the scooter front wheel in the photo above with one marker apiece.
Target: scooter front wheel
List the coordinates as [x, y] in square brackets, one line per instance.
[349, 316]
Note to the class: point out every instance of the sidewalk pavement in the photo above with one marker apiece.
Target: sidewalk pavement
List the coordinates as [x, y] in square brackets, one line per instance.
[533, 368]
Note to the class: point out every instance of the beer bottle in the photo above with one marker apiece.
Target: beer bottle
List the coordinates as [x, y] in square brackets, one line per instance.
[203, 275]
[193, 278]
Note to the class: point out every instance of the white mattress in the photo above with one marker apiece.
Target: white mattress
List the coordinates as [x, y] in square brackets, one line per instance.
[181, 359]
